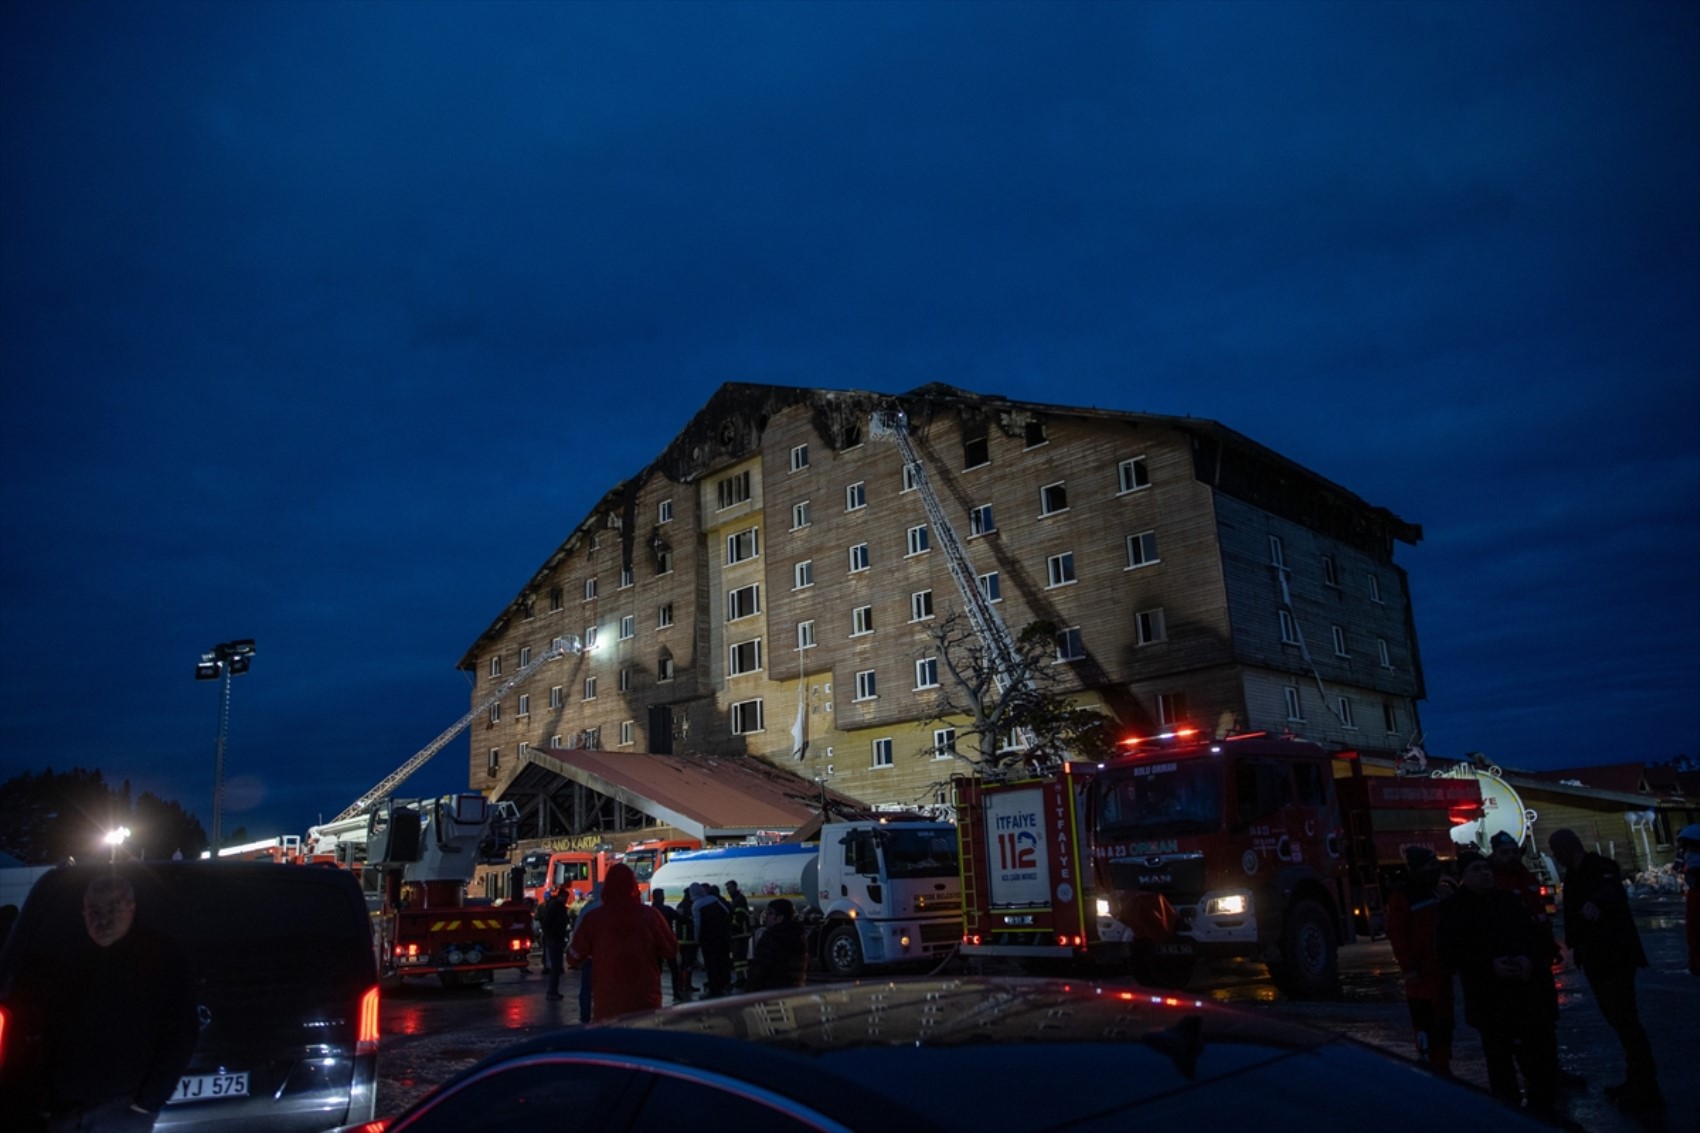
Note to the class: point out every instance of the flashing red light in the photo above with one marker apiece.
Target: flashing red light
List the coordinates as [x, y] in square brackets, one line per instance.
[5, 1017]
[1347, 754]
[1177, 734]
[1245, 736]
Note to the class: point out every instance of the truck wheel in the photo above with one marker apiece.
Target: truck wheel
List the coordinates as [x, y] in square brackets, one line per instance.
[843, 952]
[1309, 967]
[1154, 970]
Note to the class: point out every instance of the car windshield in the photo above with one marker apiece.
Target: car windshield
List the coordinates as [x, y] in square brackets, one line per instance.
[920, 853]
[1160, 798]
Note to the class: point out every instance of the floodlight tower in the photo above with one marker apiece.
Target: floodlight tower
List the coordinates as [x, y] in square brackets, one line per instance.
[226, 660]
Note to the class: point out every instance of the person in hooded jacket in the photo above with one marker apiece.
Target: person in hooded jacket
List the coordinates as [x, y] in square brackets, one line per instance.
[714, 939]
[1412, 910]
[781, 954]
[626, 943]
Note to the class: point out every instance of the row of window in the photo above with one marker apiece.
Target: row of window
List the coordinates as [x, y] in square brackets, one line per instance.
[1330, 570]
[1340, 707]
[1292, 635]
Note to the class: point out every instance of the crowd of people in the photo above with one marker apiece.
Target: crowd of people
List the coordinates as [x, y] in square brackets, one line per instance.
[622, 947]
[1483, 929]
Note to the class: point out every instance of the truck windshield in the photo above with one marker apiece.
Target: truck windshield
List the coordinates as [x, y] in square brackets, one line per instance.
[1167, 798]
[920, 853]
[642, 863]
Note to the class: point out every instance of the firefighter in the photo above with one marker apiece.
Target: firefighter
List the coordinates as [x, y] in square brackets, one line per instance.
[685, 927]
[1412, 911]
[741, 929]
[1505, 855]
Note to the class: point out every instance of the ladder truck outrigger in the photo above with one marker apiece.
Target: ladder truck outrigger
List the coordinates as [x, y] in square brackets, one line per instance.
[416, 858]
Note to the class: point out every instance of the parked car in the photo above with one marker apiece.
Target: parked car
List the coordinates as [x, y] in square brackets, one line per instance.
[285, 987]
[948, 1054]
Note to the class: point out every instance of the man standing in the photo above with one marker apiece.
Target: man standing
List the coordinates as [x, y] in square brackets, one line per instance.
[1600, 931]
[714, 939]
[553, 924]
[781, 956]
[120, 1023]
[624, 943]
[1412, 910]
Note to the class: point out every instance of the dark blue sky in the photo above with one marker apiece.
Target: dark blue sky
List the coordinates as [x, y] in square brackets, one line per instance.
[324, 323]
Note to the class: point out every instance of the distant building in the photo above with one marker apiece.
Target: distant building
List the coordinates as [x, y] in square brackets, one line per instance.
[766, 586]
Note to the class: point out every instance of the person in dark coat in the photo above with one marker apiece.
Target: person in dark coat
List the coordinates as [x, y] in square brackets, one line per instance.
[622, 943]
[552, 922]
[781, 955]
[742, 930]
[1501, 957]
[714, 940]
[1412, 911]
[1600, 932]
[118, 1018]
[686, 926]
[658, 901]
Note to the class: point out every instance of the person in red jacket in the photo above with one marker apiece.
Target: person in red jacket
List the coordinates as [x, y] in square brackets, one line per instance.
[1412, 909]
[630, 943]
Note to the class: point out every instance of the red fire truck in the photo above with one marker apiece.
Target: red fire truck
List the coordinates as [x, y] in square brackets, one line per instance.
[577, 871]
[647, 857]
[1184, 849]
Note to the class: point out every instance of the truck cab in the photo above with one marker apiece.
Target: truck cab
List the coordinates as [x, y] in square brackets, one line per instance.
[888, 893]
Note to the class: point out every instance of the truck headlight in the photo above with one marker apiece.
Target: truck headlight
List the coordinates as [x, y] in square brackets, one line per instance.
[1103, 907]
[1233, 905]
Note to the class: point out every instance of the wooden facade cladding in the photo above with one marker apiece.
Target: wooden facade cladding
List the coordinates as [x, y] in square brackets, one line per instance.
[1202, 569]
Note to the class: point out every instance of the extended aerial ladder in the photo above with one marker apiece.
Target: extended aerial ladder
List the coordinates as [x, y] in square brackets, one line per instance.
[352, 820]
[1005, 659]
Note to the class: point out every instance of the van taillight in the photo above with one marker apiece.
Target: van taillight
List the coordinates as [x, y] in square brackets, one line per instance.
[367, 1042]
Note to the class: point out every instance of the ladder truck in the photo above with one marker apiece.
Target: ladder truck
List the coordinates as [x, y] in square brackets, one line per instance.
[416, 858]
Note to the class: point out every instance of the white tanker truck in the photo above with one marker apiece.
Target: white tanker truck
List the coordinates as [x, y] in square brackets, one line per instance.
[877, 893]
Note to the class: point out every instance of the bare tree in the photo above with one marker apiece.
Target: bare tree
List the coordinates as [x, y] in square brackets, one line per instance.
[1035, 701]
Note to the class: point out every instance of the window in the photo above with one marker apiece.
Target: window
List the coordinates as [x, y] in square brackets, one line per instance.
[664, 667]
[496, 665]
[555, 741]
[1132, 475]
[1390, 718]
[1141, 549]
[858, 557]
[746, 717]
[626, 679]
[805, 635]
[1289, 628]
[856, 496]
[911, 477]
[496, 713]
[882, 753]
[1295, 710]
[1343, 709]
[742, 546]
[1060, 568]
[862, 621]
[1330, 572]
[664, 615]
[1149, 628]
[799, 515]
[1382, 654]
[976, 451]
[1035, 434]
[799, 458]
[524, 656]
[927, 673]
[917, 541]
[557, 697]
[990, 587]
[1052, 499]
[626, 730]
[589, 638]
[745, 657]
[733, 489]
[589, 688]
[625, 577]
[1069, 645]
[1374, 589]
[495, 761]
[524, 704]
[1339, 641]
[866, 687]
[803, 575]
[980, 521]
[589, 589]
[743, 602]
[664, 562]
[530, 610]
[1171, 709]
[1277, 556]
[628, 627]
[944, 743]
[920, 605]
[557, 600]
[664, 511]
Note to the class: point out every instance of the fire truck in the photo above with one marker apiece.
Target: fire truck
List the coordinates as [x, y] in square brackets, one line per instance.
[577, 871]
[648, 856]
[1187, 849]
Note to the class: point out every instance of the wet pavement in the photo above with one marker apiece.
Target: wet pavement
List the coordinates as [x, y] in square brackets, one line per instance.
[431, 1033]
